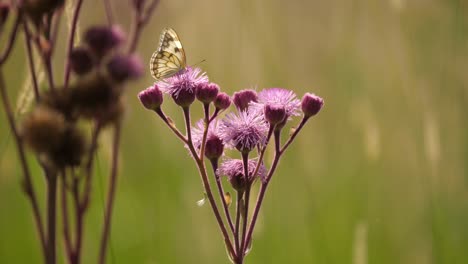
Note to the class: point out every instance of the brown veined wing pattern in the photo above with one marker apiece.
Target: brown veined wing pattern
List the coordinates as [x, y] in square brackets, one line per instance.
[169, 59]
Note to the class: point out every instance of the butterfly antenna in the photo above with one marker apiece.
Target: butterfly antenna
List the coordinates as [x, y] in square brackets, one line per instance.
[198, 63]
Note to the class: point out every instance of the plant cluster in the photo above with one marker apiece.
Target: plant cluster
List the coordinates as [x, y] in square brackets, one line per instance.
[257, 122]
[84, 94]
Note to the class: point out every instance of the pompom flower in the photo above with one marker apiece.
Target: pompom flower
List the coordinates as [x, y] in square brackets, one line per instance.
[244, 130]
[234, 170]
[197, 132]
[183, 85]
[278, 97]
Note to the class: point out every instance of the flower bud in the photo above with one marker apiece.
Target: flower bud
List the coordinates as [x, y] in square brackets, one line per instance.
[122, 67]
[151, 98]
[81, 61]
[242, 99]
[184, 98]
[101, 39]
[222, 101]
[214, 148]
[207, 93]
[311, 104]
[274, 114]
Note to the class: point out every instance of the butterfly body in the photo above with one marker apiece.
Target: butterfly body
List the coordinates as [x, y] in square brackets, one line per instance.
[169, 58]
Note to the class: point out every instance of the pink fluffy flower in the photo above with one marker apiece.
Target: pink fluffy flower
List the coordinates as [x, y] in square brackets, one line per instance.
[244, 130]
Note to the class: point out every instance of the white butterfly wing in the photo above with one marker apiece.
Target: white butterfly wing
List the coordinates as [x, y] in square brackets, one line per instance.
[170, 56]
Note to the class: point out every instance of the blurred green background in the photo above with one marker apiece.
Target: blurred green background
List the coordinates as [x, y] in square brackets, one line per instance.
[379, 176]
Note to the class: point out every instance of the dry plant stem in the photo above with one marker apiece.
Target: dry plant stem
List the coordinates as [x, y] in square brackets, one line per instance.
[51, 216]
[55, 30]
[48, 66]
[214, 165]
[71, 40]
[110, 194]
[149, 11]
[65, 219]
[11, 40]
[31, 62]
[79, 214]
[27, 182]
[139, 22]
[109, 13]
[206, 183]
[171, 125]
[89, 165]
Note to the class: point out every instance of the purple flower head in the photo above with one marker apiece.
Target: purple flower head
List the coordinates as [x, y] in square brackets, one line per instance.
[151, 98]
[125, 67]
[244, 130]
[234, 170]
[214, 145]
[197, 132]
[311, 104]
[278, 98]
[183, 85]
[243, 98]
[101, 39]
[81, 60]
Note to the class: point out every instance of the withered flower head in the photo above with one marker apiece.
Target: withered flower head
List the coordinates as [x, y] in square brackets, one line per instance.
[71, 149]
[60, 100]
[37, 8]
[93, 94]
[81, 60]
[42, 130]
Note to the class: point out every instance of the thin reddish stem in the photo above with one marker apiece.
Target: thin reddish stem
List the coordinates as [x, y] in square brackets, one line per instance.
[214, 165]
[27, 181]
[11, 40]
[31, 62]
[71, 40]
[206, 183]
[65, 219]
[51, 217]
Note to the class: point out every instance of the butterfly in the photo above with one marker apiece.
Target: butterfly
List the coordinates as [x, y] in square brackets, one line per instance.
[169, 58]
